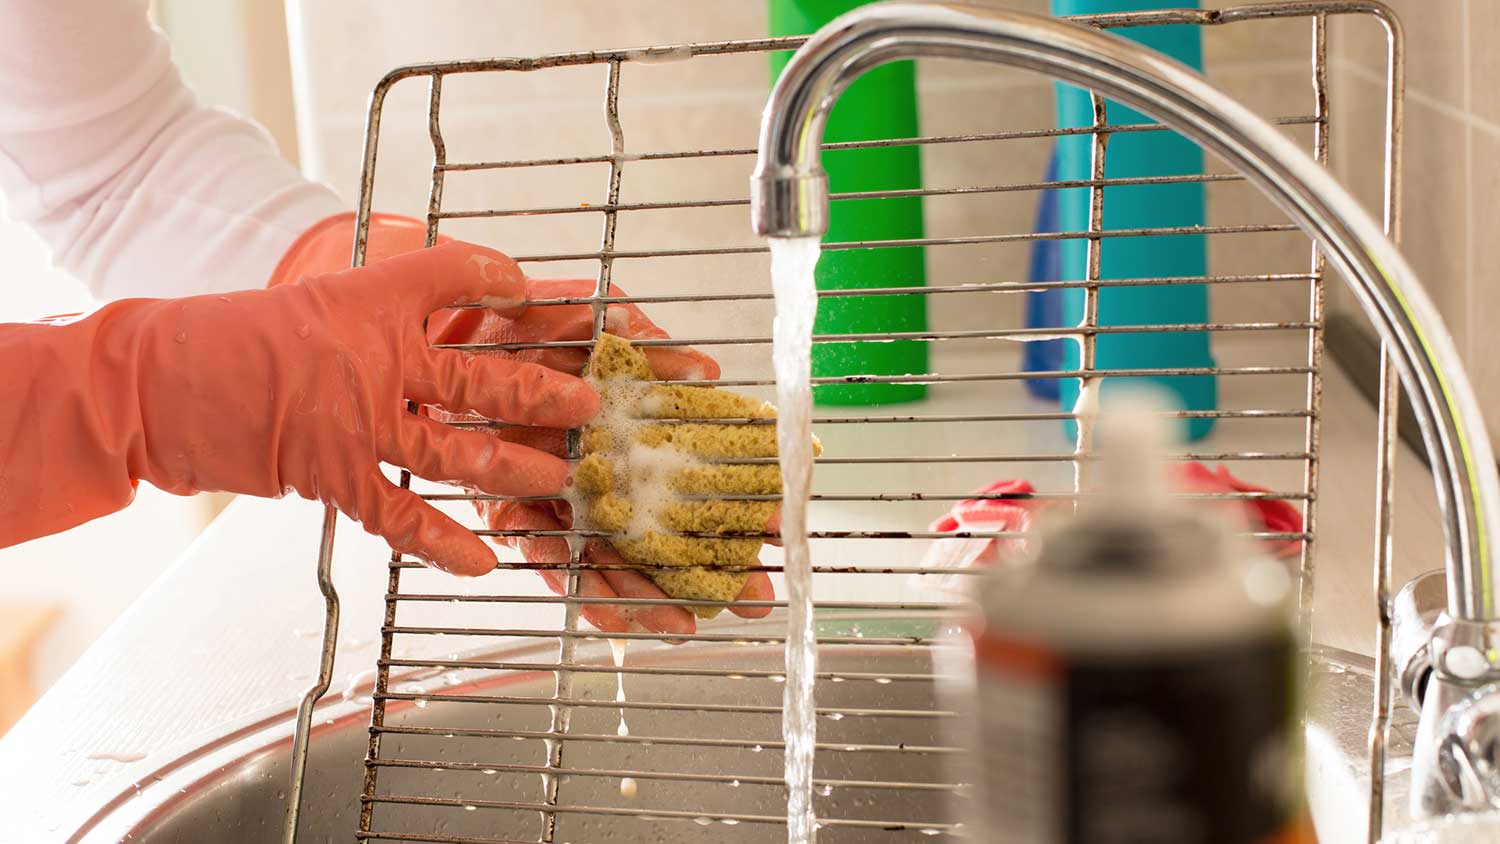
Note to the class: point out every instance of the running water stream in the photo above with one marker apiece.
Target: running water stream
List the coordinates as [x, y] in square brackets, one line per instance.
[792, 262]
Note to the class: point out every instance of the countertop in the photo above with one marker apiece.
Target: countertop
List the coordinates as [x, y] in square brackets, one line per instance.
[231, 631]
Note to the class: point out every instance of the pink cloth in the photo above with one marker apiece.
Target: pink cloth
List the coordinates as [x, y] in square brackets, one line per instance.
[1017, 511]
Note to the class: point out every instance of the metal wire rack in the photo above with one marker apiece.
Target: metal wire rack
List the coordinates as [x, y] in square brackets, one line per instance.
[495, 718]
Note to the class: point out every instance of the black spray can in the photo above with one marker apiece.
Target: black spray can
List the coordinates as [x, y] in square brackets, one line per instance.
[1136, 682]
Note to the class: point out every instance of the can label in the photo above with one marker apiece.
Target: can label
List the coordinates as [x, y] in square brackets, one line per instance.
[1192, 747]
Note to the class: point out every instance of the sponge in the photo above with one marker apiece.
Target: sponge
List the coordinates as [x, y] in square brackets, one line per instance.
[667, 489]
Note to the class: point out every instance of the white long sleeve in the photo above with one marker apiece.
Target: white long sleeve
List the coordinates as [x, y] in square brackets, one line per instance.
[138, 188]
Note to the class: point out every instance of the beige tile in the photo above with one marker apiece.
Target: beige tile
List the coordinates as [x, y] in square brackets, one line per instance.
[1357, 155]
[346, 53]
[1484, 59]
[1436, 239]
[1344, 601]
[1272, 90]
[1357, 136]
[726, 120]
[957, 73]
[1434, 45]
[1240, 203]
[1256, 42]
[473, 28]
[982, 106]
[1358, 41]
[1484, 352]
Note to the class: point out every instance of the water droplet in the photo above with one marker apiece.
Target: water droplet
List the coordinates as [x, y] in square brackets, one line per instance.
[884, 681]
[826, 790]
[734, 676]
[469, 808]
[734, 783]
[180, 337]
[123, 758]
[757, 748]
[304, 331]
[836, 716]
[702, 821]
[491, 771]
[421, 702]
[778, 678]
[628, 788]
[729, 821]
[930, 831]
[836, 679]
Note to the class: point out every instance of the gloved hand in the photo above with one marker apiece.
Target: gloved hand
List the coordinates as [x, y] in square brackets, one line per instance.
[555, 323]
[300, 387]
[325, 247]
[551, 323]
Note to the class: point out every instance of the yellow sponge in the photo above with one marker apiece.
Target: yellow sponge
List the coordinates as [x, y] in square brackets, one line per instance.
[648, 482]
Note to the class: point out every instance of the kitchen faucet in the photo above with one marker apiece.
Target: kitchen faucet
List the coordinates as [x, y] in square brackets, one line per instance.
[1455, 765]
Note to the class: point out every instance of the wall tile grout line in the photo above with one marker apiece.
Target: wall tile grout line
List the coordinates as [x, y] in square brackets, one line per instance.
[1364, 74]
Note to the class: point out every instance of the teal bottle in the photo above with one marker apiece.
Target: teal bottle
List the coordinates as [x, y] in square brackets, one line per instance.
[1131, 154]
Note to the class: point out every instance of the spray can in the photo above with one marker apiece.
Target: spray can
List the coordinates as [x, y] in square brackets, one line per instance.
[1135, 680]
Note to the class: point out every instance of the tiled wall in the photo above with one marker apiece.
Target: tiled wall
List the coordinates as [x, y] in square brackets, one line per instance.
[1451, 159]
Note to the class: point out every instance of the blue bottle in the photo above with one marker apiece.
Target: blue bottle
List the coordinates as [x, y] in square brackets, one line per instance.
[1157, 153]
[1044, 308]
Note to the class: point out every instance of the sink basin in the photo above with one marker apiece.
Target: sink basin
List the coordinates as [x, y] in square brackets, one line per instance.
[711, 757]
[461, 767]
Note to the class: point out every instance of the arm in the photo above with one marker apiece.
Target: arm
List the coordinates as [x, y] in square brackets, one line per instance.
[301, 387]
[139, 189]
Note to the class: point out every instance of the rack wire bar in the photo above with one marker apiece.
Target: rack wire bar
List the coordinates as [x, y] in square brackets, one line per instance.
[1032, 134]
[701, 704]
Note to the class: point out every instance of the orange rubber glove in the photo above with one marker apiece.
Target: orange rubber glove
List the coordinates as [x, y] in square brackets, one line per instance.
[552, 323]
[301, 387]
[326, 247]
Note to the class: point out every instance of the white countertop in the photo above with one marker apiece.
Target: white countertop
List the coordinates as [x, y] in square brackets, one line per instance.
[231, 630]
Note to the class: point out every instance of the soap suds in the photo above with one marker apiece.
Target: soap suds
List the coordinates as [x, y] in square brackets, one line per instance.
[649, 473]
[644, 475]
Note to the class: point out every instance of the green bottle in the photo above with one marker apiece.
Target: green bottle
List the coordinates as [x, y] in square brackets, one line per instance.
[880, 104]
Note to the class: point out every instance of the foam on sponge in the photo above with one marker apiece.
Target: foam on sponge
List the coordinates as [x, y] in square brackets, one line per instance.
[666, 489]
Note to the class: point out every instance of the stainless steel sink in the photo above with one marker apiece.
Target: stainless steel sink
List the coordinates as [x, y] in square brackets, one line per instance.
[700, 768]
[703, 766]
